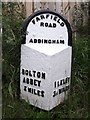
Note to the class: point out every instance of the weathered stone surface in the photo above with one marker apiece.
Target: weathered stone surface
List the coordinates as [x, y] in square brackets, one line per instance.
[54, 63]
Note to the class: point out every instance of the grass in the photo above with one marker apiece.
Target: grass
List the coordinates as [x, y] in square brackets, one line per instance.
[76, 106]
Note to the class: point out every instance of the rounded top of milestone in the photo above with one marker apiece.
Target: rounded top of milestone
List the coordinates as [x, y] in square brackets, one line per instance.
[47, 27]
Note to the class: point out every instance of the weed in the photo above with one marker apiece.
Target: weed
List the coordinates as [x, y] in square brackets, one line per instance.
[76, 106]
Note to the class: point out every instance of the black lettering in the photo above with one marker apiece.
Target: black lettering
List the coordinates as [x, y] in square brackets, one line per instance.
[58, 21]
[43, 75]
[24, 80]
[47, 15]
[60, 91]
[58, 84]
[29, 89]
[67, 79]
[31, 81]
[35, 82]
[62, 24]
[45, 41]
[49, 41]
[54, 25]
[39, 40]
[42, 93]
[53, 41]
[42, 40]
[42, 24]
[38, 92]
[32, 90]
[57, 41]
[37, 19]
[62, 41]
[30, 73]
[38, 74]
[46, 24]
[25, 88]
[26, 72]
[30, 41]
[34, 73]
[61, 82]
[51, 16]
[35, 93]
[42, 16]
[55, 84]
[50, 25]
[39, 83]
[55, 93]
[27, 79]
[23, 71]
[33, 21]
[55, 18]
[35, 40]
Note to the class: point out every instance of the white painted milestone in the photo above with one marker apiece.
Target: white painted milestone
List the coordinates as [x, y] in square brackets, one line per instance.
[45, 71]
[47, 29]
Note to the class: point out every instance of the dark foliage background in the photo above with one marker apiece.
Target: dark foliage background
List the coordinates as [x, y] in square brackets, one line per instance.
[76, 106]
[12, 21]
